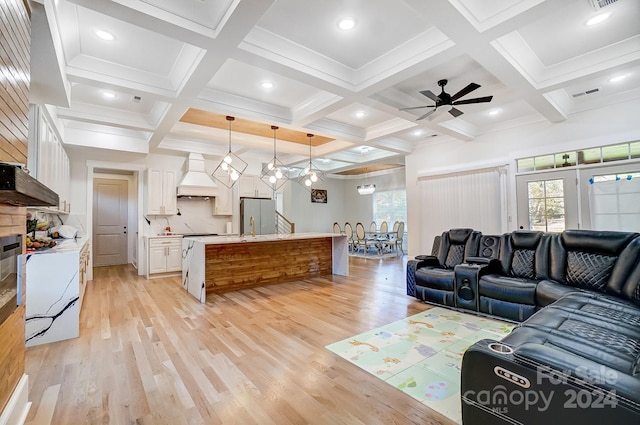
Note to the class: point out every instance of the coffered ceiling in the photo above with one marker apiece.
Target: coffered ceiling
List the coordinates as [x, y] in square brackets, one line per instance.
[537, 58]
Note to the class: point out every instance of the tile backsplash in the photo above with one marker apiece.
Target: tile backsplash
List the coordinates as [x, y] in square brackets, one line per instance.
[195, 217]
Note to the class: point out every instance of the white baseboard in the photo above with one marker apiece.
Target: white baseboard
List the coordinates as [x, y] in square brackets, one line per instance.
[17, 409]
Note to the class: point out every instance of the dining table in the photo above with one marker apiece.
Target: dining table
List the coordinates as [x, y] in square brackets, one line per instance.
[381, 237]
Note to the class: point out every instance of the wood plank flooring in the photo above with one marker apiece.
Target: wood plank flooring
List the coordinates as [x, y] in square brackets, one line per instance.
[148, 353]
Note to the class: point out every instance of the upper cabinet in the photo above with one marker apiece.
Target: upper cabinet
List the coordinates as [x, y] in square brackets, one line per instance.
[253, 187]
[223, 202]
[48, 161]
[161, 192]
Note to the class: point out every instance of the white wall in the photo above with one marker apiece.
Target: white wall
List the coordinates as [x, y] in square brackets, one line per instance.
[581, 130]
[343, 202]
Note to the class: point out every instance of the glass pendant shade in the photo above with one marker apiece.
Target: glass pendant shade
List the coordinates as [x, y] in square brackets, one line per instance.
[274, 173]
[231, 167]
[311, 177]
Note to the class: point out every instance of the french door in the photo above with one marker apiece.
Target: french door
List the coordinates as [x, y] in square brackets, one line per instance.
[547, 201]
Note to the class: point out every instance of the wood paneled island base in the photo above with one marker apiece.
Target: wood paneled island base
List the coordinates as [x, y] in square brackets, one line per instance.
[213, 265]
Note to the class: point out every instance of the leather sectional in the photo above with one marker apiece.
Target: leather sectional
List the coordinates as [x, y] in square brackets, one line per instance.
[575, 356]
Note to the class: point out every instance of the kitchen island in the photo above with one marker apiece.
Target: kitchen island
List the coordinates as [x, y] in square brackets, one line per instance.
[55, 282]
[217, 264]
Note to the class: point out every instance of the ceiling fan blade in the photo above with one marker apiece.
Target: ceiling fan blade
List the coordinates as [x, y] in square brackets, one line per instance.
[429, 94]
[417, 107]
[471, 87]
[476, 100]
[425, 115]
[456, 112]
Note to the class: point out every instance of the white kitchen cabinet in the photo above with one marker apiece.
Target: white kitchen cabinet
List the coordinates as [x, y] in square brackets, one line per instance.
[161, 192]
[223, 203]
[48, 161]
[165, 255]
[253, 187]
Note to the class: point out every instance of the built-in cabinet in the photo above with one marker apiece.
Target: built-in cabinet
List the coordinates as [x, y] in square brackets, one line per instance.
[253, 187]
[161, 192]
[223, 203]
[48, 161]
[164, 255]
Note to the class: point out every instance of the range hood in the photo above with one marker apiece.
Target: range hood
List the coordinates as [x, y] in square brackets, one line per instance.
[18, 188]
[196, 182]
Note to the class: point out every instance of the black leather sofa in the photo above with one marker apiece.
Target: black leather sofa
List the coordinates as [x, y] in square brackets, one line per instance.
[575, 358]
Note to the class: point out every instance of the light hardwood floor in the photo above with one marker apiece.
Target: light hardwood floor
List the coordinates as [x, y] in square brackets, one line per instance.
[148, 353]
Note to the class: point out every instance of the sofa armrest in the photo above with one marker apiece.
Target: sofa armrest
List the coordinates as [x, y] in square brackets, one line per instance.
[498, 386]
[478, 260]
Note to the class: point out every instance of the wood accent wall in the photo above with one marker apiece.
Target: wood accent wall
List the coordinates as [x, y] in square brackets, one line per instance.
[12, 348]
[229, 267]
[15, 42]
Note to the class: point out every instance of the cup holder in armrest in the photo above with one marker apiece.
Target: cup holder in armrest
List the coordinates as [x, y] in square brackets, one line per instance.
[500, 348]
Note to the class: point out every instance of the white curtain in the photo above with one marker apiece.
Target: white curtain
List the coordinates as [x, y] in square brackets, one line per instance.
[474, 199]
[615, 205]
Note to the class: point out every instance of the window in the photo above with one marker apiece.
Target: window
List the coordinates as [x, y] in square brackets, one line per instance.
[546, 205]
[597, 155]
[390, 206]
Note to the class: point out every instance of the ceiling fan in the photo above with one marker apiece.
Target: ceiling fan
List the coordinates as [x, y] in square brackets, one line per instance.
[446, 100]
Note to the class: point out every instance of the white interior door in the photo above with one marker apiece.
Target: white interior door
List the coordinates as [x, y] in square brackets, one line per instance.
[547, 201]
[110, 222]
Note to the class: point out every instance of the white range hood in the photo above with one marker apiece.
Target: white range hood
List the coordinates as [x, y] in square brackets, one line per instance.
[196, 182]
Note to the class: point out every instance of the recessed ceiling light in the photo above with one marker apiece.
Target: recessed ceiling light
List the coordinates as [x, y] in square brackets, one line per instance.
[598, 18]
[105, 35]
[365, 149]
[495, 111]
[360, 114]
[108, 94]
[347, 24]
[617, 78]
[267, 85]
[417, 132]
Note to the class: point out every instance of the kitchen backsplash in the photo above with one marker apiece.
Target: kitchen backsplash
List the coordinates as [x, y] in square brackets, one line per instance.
[195, 217]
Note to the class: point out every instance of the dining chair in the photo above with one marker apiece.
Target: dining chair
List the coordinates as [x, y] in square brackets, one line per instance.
[373, 227]
[361, 240]
[399, 238]
[383, 237]
[336, 229]
[348, 231]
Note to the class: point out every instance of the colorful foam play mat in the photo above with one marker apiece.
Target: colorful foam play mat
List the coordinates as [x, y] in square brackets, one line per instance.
[421, 355]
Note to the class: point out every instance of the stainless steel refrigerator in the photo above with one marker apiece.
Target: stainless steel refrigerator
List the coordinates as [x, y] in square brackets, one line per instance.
[263, 212]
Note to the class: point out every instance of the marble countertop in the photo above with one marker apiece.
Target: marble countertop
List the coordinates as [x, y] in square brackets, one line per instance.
[212, 240]
[64, 245]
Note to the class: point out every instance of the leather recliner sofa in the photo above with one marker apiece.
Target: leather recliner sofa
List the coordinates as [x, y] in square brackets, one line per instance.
[431, 278]
[576, 358]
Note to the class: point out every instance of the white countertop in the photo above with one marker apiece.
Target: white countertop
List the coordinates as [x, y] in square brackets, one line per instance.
[213, 240]
[63, 245]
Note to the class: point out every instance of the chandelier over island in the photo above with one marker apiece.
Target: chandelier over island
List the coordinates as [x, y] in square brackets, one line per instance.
[231, 167]
[274, 173]
[311, 177]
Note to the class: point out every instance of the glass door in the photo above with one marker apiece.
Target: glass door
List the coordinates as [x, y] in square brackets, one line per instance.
[547, 201]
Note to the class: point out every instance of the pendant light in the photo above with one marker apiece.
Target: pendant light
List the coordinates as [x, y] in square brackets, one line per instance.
[274, 174]
[366, 189]
[231, 167]
[311, 176]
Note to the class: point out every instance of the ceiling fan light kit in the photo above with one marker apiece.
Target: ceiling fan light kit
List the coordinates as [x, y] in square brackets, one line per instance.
[445, 101]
